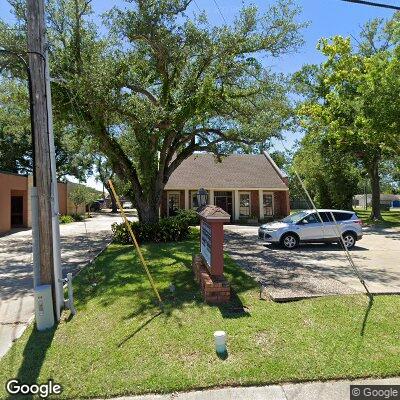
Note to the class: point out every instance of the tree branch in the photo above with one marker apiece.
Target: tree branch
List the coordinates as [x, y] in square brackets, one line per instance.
[145, 92]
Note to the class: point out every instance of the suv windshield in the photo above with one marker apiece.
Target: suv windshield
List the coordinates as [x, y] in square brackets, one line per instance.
[296, 217]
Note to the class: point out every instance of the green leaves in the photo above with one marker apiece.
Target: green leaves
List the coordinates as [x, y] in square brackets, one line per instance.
[15, 135]
[159, 84]
[352, 102]
[81, 194]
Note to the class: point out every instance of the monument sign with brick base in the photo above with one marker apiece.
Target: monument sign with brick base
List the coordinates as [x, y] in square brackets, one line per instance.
[208, 267]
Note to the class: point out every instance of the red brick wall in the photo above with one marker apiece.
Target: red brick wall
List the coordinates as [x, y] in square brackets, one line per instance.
[281, 204]
[62, 197]
[287, 203]
[255, 205]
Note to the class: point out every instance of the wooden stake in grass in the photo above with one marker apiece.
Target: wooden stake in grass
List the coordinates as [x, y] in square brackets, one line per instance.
[128, 226]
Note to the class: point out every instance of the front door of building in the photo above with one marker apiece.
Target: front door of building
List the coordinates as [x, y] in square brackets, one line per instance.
[224, 201]
[17, 211]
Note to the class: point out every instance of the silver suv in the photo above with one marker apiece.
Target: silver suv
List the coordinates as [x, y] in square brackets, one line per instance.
[306, 227]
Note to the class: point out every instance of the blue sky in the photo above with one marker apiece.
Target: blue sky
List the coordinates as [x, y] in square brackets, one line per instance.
[326, 18]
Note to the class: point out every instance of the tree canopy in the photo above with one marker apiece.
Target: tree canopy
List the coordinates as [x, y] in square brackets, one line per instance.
[161, 86]
[155, 85]
[351, 106]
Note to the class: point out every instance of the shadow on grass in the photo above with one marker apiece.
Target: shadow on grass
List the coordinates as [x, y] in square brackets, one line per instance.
[366, 315]
[33, 358]
[118, 273]
[235, 308]
[222, 356]
[137, 330]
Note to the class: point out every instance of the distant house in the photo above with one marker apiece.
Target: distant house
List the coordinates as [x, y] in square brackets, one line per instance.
[359, 200]
[15, 200]
[248, 186]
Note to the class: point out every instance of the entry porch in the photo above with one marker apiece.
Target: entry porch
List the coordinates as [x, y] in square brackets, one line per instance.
[251, 205]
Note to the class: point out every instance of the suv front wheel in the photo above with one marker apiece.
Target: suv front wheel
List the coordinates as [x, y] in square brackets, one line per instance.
[349, 239]
[289, 241]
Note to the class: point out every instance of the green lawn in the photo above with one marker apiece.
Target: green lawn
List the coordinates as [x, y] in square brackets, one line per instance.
[120, 344]
[390, 218]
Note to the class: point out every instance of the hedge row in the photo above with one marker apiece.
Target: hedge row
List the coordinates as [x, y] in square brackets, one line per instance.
[171, 229]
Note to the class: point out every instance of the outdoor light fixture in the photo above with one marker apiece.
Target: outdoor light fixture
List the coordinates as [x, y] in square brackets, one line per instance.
[202, 197]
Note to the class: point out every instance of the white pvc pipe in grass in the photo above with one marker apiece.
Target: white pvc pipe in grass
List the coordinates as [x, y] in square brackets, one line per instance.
[220, 341]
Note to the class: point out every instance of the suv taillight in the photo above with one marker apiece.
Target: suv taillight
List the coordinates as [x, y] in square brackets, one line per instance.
[358, 221]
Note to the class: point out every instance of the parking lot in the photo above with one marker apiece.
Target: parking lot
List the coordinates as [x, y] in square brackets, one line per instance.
[318, 269]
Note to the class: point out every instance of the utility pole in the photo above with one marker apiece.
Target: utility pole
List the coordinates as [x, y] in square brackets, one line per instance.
[36, 51]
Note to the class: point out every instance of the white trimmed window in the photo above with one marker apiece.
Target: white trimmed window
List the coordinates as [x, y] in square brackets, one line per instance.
[193, 199]
[268, 204]
[244, 204]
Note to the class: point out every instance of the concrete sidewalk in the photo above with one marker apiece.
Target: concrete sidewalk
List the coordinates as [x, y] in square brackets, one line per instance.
[78, 247]
[330, 390]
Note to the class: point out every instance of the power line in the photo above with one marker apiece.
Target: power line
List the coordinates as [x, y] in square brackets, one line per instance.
[220, 12]
[195, 2]
[374, 4]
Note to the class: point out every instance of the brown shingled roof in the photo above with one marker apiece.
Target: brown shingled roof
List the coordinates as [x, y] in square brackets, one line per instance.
[235, 171]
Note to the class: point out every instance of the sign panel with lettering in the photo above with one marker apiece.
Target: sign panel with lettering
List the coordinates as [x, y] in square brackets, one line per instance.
[206, 237]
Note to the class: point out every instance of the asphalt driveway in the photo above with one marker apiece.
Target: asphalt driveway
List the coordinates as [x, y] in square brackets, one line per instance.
[79, 245]
[317, 269]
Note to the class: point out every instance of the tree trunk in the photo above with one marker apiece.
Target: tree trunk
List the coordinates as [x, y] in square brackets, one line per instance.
[114, 208]
[148, 207]
[148, 212]
[376, 191]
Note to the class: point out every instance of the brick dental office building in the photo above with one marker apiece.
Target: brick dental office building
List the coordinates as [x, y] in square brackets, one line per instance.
[15, 200]
[248, 186]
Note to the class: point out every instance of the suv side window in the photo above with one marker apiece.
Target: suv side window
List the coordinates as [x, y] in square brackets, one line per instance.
[312, 219]
[326, 217]
[342, 216]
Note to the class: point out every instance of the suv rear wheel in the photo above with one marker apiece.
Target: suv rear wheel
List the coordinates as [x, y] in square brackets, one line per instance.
[349, 239]
[289, 241]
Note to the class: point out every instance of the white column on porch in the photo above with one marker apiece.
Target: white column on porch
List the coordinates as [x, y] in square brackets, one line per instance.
[211, 197]
[186, 199]
[236, 205]
[261, 203]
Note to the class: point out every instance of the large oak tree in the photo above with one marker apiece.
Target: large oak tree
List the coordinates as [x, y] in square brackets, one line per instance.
[160, 84]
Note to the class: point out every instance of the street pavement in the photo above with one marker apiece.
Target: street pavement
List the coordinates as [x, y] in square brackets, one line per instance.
[79, 245]
[329, 390]
[318, 269]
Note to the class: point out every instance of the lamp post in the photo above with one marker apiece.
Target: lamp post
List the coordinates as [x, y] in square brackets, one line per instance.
[202, 197]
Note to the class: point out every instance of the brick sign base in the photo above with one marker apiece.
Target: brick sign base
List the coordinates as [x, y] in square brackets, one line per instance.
[215, 289]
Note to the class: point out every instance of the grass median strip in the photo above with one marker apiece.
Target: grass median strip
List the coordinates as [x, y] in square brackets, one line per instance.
[389, 218]
[119, 343]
